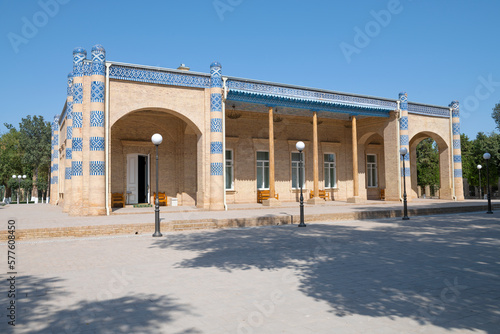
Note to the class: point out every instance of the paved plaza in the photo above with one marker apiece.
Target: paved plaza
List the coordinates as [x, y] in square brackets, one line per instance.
[431, 274]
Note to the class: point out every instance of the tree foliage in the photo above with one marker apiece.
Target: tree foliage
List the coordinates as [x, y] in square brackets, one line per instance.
[26, 152]
[496, 115]
[472, 156]
[427, 163]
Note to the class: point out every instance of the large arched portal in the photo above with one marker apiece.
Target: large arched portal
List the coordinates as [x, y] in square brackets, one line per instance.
[445, 174]
[133, 170]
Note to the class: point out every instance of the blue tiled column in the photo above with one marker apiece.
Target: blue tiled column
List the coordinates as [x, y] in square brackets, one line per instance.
[216, 138]
[457, 151]
[68, 151]
[404, 139]
[54, 161]
[79, 55]
[96, 141]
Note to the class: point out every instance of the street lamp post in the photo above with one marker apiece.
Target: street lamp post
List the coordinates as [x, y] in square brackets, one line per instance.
[300, 147]
[403, 151]
[157, 139]
[487, 157]
[18, 177]
[479, 169]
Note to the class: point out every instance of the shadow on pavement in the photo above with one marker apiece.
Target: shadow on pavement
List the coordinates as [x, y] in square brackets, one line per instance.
[38, 312]
[440, 270]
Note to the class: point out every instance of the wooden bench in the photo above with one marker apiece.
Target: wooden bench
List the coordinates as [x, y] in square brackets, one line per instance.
[321, 193]
[117, 198]
[382, 194]
[264, 194]
[162, 199]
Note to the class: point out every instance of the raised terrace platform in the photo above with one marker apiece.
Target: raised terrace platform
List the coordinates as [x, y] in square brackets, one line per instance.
[45, 221]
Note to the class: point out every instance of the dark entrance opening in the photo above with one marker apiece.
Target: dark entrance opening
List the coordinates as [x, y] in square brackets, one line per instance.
[142, 170]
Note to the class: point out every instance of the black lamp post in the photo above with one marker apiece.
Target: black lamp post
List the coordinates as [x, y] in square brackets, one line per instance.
[157, 139]
[487, 157]
[479, 169]
[300, 147]
[18, 177]
[403, 151]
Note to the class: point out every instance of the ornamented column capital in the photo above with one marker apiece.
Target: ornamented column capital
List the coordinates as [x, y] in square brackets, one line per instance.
[98, 60]
[79, 55]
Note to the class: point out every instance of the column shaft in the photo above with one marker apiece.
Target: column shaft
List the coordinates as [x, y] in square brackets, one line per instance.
[315, 155]
[355, 158]
[216, 137]
[272, 189]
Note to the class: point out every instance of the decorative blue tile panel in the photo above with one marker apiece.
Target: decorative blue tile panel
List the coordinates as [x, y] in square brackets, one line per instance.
[97, 168]
[457, 173]
[404, 123]
[69, 154]
[69, 110]
[158, 76]
[55, 154]
[54, 180]
[404, 140]
[216, 125]
[216, 168]
[55, 140]
[215, 102]
[97, 118]
[78, 93]
[406, 172]
[97, 143]
[67, 173]
[456, 128]
[77, 120]
[76, 168]
[55, 167]
[309, 94]
[456, 144]
[69, 132]
[97, 91]
[457, 158]
[406, 157]
[77, 144]
[87, 68]
[427, 110]
[216, 147]
[455, 113]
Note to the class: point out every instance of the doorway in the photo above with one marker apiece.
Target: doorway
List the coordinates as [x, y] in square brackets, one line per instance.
[138, 179]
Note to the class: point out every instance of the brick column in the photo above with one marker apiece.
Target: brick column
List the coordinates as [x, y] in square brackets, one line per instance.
[457, 151]
[355, 175]
[404, 141]
[54, 161]
[96, 142]
[68, 154]
[216, 138]
[79, 55]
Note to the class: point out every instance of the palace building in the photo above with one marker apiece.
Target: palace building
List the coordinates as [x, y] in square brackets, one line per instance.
[226, 140]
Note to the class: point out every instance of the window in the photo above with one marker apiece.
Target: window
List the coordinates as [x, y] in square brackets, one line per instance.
[262, 170]
[371, 170]
[229, 170]
[295, 170]
[330, 171]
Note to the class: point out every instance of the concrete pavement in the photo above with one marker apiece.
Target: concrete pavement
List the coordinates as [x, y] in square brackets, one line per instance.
[431, 274]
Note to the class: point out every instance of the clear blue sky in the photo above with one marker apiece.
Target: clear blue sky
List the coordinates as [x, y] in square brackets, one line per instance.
[436, 51]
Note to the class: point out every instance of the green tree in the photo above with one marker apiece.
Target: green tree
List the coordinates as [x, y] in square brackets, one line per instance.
[427, 163]
[35, 137]
[496, 115]
[10, 156]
